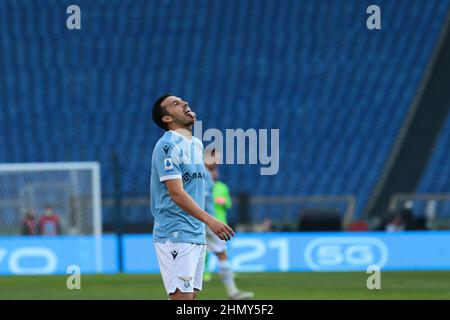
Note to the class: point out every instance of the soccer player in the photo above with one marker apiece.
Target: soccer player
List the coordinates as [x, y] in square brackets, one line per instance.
[177, 200]
[49, 223]
[217, 202]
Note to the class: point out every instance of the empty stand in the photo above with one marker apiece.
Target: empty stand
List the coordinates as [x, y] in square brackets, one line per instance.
[337, 91]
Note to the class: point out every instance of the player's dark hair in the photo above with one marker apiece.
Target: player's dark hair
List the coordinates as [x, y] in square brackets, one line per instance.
[159, 111]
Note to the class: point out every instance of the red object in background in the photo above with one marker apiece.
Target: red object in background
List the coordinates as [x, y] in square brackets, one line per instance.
[49, 225]
[358, 226]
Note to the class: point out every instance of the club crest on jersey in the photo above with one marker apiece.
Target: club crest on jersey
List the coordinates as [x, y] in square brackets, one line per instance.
[168, 165]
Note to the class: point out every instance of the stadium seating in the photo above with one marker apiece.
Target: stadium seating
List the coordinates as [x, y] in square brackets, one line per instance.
[337, 91]
[436, 177]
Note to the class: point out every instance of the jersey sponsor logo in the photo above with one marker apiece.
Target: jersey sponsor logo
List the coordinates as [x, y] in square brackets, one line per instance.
[168, 165]
[190, 176]
[196, 175]
[186, 177]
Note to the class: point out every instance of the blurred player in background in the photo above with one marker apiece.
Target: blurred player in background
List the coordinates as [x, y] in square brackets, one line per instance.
[29, 224]
[178, 199]
[220, 197]
[217, 202]
[49, 223]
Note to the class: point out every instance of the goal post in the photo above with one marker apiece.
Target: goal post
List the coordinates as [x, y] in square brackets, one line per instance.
[71, 189]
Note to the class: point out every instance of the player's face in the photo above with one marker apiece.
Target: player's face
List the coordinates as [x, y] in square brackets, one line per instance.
[179, 111]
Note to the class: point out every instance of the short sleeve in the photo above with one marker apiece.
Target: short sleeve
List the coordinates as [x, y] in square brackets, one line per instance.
[167, 162]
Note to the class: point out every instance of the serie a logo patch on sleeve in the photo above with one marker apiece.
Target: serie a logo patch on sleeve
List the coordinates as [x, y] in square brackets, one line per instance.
[168, 165]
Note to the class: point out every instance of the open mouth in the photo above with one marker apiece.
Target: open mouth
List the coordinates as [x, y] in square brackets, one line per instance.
[190, 113]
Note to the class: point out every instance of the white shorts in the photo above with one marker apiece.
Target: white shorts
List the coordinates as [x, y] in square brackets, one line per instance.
[181, 265]
[214, 243]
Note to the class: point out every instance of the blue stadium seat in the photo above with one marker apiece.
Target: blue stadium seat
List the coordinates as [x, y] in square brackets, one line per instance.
[436, 177]
[337, 91]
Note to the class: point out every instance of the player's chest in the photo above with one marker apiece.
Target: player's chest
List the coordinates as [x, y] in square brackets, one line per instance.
[190, 155]
[192, 166]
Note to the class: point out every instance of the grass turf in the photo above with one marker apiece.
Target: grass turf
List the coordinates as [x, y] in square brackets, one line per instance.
[348, 285]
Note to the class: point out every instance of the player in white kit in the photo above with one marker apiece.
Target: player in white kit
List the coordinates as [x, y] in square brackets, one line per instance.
[214, 243]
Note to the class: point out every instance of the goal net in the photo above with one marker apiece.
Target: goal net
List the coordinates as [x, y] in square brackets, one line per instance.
[71, 190]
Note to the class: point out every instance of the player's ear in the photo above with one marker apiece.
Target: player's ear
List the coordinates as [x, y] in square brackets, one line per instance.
[167, 119]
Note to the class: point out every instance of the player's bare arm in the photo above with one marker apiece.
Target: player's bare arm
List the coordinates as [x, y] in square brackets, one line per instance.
[185, 202]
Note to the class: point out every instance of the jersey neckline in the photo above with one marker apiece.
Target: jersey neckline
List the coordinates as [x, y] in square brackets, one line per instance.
[179, 134]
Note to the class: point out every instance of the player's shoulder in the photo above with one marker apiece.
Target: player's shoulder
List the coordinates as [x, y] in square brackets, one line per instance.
[197, 141]
[208, 175]
[167, 142]
[169, 138]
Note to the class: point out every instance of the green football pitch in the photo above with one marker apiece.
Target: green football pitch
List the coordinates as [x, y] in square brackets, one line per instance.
[341, 285]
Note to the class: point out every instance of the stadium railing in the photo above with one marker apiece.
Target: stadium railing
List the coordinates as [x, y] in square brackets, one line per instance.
[434, 206]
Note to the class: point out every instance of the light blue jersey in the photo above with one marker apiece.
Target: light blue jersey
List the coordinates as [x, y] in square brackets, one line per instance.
[175, 157]
[209, 200]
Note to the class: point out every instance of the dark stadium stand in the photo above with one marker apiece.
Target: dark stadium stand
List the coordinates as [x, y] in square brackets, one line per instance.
[338, 92]
[436, 178]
